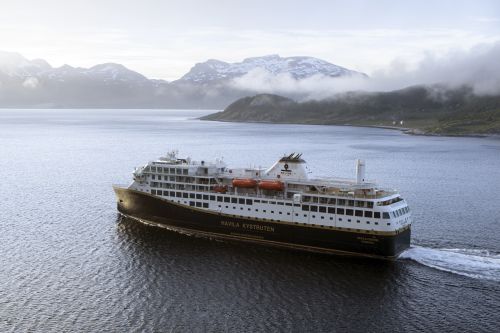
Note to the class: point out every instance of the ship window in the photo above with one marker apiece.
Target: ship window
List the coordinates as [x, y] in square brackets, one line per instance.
[205, 205]
[264, 201]
[296, 214]
[249, 209]
[198, 204]
[153, 191]
[234, 207]
[153, 177]
[306, 198]
[257, 201]
[331, 218]
[227, 199]
[331, 201]
[205, 197]
[178, 171]
[191, 203]
[178, 194]
[314, 216]
[350, 203]
[272, 202]
[376, 223]
[191, 195]
[185, 195]
[198, 196]
[341, 202]
[280, 212]
[340, 211]
[264, 210]
[172, 193]
[385, 215]
[389, 223]
[376, 215]
[234, 200]
[368, 213]
[219, 198]
[340, 219]
[287, 213]
[367, 222]
[159, 177]
[256, 210]
[322, 209]
[185, 171]
[323, 200]
[153, 169]
[288, 204]
[249, 201]
[331, 210]
[241, 201]
[227, 206]
[241, 208]
[296, 205]
[370, 204]
[314, 208]
[305, 207]
[359, 213]
[349, 212]
[305, 215]
[322, 217]
[212, 197]
[280, 203]
[272, 212]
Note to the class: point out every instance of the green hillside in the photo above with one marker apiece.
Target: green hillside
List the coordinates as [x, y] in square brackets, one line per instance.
[429, 110]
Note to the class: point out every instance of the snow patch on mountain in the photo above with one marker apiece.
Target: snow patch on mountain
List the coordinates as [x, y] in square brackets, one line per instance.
[296, 67]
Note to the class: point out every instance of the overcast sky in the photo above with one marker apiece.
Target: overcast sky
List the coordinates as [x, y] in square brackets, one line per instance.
[163, 39]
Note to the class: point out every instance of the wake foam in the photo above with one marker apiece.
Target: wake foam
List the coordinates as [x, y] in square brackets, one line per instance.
[479, 264]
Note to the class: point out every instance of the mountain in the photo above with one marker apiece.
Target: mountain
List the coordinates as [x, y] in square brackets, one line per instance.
[35, 83]
[424, 109]
[297, 67]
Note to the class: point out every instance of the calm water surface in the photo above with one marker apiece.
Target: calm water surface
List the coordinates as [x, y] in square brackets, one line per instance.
[69, 262]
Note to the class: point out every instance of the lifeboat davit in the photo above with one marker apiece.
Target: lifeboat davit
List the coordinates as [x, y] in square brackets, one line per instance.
[220, 189]
[244, 182]
[274, 185]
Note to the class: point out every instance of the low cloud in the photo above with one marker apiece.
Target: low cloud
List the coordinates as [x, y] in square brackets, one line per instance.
[31, 83]
[478, 67]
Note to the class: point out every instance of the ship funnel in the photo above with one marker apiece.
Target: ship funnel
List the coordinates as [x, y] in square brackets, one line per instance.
[360, 171]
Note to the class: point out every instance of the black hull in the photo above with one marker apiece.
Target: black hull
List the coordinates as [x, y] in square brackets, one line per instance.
[154, 210]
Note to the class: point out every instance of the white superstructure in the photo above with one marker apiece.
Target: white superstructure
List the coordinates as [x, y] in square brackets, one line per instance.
[282, 192]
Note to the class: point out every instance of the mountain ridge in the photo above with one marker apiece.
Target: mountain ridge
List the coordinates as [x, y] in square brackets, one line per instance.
[35, 83]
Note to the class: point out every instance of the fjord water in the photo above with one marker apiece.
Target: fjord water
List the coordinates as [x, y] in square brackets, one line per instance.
[71, 263]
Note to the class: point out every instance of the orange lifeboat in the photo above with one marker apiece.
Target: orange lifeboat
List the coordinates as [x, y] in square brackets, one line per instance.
[244, 182]
[220, 189]
[274, 185]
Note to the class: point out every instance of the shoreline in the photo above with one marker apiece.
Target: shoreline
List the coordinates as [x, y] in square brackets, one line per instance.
[405, 130]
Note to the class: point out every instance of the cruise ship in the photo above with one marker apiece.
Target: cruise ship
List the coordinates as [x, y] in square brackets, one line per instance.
[280, 205]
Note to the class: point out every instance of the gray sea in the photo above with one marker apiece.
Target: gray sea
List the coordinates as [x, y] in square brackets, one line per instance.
[70, 263]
